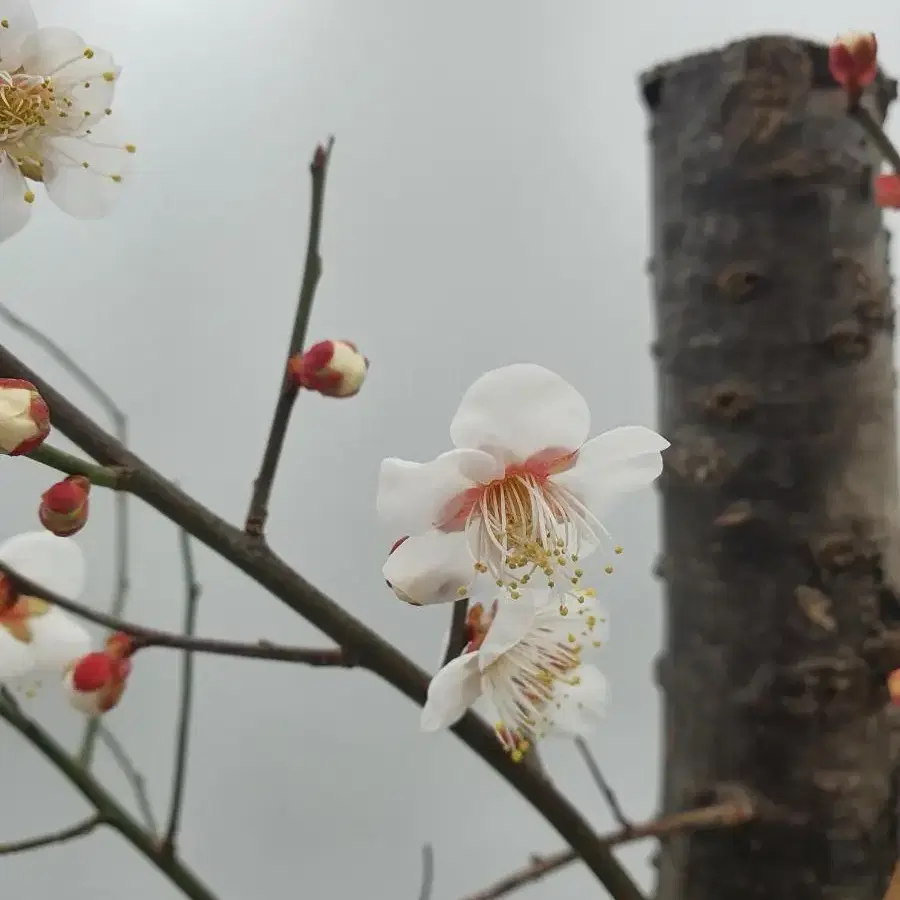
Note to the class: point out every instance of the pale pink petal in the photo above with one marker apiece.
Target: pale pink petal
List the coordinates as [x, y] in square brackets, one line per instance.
[519, 411]
[412, 497]
[58, 640]
[20, 22]
[451, 692]
[55, 563]
[14, 210]
[613, 464]
[430, 568]
[511, 623]
[86, 702]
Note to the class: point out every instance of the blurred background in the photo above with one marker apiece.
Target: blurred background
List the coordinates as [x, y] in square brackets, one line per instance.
[487, 203]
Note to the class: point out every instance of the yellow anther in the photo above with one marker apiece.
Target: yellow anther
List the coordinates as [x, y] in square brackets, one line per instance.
[88, 53]
[619, 550]
[609, 570]
[461, 591]
[28, 196]
[109, 76]
[516, 756]
[116, 178]
[579, 573]
[4, 23]
[85, 165]
[564, 610]
[571, 638]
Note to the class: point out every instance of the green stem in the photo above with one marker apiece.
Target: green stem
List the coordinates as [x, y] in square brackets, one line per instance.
[107, 807]
[100, 476]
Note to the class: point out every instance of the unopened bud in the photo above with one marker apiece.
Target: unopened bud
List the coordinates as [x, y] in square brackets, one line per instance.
[853, 59]
[24, 417]
[95, 682]
[887, 191]
[119, 645]
[332, 368]
[64, 506]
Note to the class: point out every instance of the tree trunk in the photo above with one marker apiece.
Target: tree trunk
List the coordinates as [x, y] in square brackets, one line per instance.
[780, 501]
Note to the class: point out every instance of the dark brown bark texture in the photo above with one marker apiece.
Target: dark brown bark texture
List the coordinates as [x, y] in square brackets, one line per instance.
[780, 502]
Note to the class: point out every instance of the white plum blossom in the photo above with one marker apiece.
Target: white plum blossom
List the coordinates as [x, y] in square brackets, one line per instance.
[525, 657]
[521, 493]
[56, 93]
[38, 640]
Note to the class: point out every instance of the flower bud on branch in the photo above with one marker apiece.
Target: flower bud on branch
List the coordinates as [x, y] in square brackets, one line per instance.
[331, 368]
[853, 60]
[64, 506]
[24, 417]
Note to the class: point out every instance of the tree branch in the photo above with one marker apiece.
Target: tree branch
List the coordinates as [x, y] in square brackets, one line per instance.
[192, 589]
[456, 639]
[107, 807]
[132, 776]
[60, 461]
[262, 487]
[608, 793]
[80, 829]
[427, 888]
[720, 815]
[875, 132]
[366, 647]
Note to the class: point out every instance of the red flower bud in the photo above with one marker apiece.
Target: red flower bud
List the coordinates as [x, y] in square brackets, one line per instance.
[887, 191]
[24, 417]
[332, 368]
[96, 682]
[119, 645]
[64, 506]
[853, 59]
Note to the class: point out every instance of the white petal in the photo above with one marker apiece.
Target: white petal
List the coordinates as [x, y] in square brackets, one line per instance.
[47, 51]
[84, 192]
[16, 657]
[87, 702]
[582, 706]
[21, 22]
[55, 563]
[520, 410]
[613, 464]
[512, 622]
[430, 568]
[413, 497]
[90, 85]
[451, 692]
[58, 640]
[14, 211]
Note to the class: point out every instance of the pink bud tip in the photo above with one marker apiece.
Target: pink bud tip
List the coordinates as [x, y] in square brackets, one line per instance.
[853, 59]
[64, 506]
[331, 368]
[887, 191]
[92, 672]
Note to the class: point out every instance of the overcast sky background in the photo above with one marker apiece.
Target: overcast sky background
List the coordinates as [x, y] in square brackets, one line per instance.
[487, 204]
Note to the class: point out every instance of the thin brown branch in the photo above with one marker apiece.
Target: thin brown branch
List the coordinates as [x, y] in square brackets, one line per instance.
[608, 793]
[719, 815]
[876, 133]
[427, 888]
[80, 829]
[135, 779]
[192, 597]
[363, 645]
[287, 394]
[151, 637]
[106, 806]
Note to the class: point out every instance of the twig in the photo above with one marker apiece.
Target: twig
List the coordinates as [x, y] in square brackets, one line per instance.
[192, 596]
[876, 133]
[111, 811]
[609, 795]
[132, 776]
[60, 461]
[151, 637]
[80, 829]
[427, 888]
[719, 815]
[262, 486]
[456, 640]
[364, 646]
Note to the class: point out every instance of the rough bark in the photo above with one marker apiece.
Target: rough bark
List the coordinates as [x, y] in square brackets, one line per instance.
[780, 501]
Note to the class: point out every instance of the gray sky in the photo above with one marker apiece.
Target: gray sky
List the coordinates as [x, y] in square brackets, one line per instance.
[487, 204]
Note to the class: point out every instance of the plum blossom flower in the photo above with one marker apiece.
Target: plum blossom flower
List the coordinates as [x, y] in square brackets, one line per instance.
[525, 658]
[95, 683]
[24, 416]
[56, 93]
[38, 640]
[520, 494]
